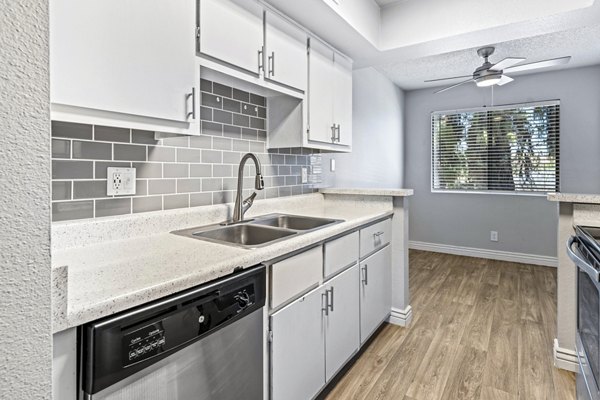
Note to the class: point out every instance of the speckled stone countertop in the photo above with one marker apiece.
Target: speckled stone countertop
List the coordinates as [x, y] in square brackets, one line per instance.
[108, 265]
[574, 198]
[369, 191]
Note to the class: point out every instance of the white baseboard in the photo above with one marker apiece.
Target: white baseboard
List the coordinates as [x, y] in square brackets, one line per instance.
[485, 253]
[401, 317]
[565, 358]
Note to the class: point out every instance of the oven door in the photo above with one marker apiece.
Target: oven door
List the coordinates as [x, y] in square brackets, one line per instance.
[588, 322]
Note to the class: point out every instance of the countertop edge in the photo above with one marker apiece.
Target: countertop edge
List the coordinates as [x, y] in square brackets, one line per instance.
[574, 198]
[369, 191]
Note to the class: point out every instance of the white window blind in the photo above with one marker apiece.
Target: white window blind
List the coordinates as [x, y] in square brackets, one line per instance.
[496, 149]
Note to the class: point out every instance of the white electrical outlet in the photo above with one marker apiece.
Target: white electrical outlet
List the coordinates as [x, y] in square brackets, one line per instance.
[304, 174]
[494, 236]
[121, 181]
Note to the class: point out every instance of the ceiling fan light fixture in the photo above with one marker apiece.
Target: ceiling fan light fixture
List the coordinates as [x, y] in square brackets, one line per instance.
[489, 80]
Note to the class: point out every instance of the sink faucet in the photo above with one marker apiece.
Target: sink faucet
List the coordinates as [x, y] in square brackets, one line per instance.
[241, 207]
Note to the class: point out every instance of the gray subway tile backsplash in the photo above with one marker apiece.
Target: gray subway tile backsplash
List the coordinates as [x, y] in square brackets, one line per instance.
[72, 169]
[68, 210]
[172, 172]
[112, 134]
[61, 190]
[130, 152]
[71, 130]
[89, 189]
[61, 148]
[145, 204]
[92, 150]
[176, 201]
[109, 207]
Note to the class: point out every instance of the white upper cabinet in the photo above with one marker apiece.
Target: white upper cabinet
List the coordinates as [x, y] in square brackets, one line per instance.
[232, 31]
[133, 57]
[342, 100]
[320, 93]
[329, 97]
[285, 52]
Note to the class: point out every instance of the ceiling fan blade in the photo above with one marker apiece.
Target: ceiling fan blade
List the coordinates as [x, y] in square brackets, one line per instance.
[504, 80]
[506, 63]
[445, 79]
[539, 64]
[453, 86]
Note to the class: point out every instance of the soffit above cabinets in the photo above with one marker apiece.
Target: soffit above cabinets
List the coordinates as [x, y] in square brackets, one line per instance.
[412, 30]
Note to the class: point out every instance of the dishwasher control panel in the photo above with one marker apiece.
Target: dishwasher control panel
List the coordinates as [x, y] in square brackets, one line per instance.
[143, 344]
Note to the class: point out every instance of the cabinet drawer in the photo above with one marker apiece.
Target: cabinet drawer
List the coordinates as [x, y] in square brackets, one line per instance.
[295, 274]
[375, 236]
[340, 253]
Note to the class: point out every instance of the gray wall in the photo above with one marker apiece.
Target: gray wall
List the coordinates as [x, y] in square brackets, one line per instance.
[25, 364]
[377, 135]
[525, 224]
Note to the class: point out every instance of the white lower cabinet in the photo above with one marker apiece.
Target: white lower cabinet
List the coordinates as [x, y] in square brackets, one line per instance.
[298, 348]
[375, 291]
[313, 337]
[342, 321]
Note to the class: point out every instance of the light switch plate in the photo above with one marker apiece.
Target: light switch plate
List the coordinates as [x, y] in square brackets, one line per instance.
[121, 181]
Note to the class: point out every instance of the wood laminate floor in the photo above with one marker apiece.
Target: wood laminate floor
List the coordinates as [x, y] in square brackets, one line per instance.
[482, 329]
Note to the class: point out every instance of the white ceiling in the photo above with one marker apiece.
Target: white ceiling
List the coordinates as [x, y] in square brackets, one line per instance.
[583, 44]
[384, 3]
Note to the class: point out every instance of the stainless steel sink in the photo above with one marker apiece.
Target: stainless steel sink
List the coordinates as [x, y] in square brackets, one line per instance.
[257, 232]
[244, 235]
[294, 222]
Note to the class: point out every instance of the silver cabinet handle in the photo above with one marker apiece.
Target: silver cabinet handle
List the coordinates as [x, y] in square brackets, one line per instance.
[338, 133]
[333, 137]
[365, 280]
[580, 262]
[192, 113]
[260, 60]
[328, 303]
[272, 64]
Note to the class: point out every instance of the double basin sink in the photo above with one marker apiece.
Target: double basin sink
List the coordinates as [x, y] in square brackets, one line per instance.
[258, 232]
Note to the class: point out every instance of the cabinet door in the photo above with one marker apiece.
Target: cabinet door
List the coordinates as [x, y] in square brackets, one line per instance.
[298, 348]
[232, 31]
[342, 324]
[285, 50]
[375, 291]
[134, 57]
[342, 100]
[320, 92]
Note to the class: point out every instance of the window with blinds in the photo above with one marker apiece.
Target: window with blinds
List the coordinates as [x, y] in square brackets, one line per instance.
[497, 149]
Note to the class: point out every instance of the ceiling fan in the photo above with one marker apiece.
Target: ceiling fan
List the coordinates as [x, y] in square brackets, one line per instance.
[490, 74]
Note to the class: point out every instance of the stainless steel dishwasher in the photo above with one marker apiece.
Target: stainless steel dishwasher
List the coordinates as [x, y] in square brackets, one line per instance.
[204, 343]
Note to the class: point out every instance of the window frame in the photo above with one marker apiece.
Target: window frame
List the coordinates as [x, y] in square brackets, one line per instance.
[553, 102]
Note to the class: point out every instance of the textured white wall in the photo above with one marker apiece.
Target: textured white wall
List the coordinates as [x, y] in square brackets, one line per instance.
[377, 135]
[25, 362]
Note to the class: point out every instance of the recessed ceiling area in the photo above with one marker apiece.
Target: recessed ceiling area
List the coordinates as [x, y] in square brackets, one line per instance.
[582, 44]
[386, 3]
